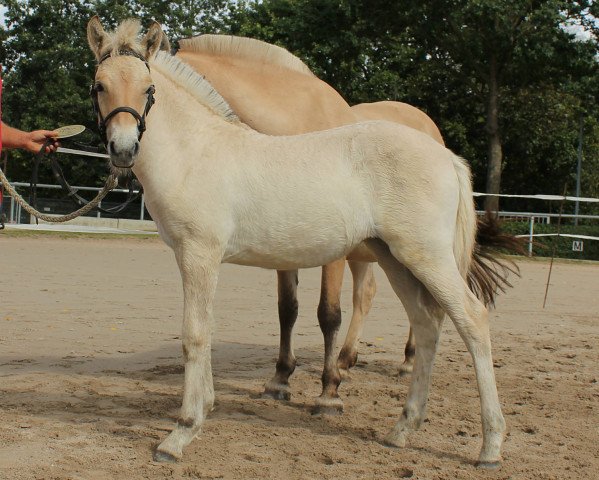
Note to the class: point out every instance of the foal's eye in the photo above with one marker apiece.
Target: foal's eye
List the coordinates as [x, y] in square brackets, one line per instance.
[99, 87]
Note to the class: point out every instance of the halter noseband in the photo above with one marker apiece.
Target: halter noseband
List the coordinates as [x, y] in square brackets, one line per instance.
[141, 119]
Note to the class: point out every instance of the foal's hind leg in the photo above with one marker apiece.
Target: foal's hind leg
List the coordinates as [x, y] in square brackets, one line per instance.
[426, 318]
[329, 318]
[278, 386]
[439, 274]
[364, 290]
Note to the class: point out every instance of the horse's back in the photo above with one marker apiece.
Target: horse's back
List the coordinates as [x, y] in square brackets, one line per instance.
[401, 113]
[270, 98]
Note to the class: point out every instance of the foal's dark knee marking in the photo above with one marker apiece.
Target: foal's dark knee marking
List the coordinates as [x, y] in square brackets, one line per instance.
[185, 422]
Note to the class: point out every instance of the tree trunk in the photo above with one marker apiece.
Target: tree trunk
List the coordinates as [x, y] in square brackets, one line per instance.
[495, 152]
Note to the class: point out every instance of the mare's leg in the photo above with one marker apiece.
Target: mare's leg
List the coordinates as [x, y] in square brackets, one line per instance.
[364, 290]
[440, 276]
[278, 386]
[329, 318]
[199, 272]
[409, 352]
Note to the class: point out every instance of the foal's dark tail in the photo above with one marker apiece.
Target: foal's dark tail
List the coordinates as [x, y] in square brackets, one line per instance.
[490, 268]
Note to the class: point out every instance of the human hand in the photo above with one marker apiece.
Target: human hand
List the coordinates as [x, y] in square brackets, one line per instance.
[35, 139]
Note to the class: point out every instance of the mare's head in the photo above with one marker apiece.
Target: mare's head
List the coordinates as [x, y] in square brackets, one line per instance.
[122, 91]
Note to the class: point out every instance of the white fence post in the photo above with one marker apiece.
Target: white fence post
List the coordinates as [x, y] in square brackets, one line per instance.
[531, 232]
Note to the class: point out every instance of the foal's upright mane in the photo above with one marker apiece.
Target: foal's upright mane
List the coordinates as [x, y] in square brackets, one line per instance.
[246, 48]
[126, 38]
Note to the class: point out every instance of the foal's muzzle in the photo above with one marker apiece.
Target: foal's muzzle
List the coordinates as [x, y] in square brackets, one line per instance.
[123, 154]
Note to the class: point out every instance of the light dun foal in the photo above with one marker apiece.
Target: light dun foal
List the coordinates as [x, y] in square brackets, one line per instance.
[221, 192]
[274, 92]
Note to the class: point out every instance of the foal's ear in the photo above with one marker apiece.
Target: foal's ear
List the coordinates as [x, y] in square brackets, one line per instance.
[154, 40]
[165, 44]
[96, 36]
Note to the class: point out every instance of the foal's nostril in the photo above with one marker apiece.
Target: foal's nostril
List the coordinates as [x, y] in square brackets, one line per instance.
[112, 147]
[136, 148]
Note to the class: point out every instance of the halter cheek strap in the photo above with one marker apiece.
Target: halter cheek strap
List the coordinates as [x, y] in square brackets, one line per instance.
[140, 119]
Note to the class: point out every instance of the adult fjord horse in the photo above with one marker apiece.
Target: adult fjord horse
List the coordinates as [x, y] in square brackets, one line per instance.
[221, 192]
[256, 79]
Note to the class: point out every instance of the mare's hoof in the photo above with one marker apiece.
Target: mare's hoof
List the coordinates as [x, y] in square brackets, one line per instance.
[488, 465]
[327, 410]
[276, 394]
[164, 457]
[328, 406]
[405, 369]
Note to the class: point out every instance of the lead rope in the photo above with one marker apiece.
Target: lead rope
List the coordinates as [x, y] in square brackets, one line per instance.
[111, 182]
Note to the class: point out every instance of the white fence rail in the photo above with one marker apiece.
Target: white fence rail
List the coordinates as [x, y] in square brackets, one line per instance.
[531, 217]
[544, 218]
[14, 215]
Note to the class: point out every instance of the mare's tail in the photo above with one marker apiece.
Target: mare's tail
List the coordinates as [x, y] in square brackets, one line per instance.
[478, 243]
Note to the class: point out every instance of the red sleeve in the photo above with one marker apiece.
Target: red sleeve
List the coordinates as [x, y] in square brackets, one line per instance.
[0, 112]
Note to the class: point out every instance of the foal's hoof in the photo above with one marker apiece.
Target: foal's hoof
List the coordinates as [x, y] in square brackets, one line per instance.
[405, 369]
[164, 457]
[328, 406]
[281, 392]
[489, 465]
[395, 439]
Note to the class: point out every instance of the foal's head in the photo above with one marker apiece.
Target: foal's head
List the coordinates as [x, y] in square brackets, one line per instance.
[122, 91]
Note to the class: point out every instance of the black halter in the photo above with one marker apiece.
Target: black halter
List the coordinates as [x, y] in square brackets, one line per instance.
[141, 119]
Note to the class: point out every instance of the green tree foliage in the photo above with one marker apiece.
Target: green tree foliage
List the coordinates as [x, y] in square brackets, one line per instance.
[492, 73]
[47, 71]
[48, 66]
[506, 80]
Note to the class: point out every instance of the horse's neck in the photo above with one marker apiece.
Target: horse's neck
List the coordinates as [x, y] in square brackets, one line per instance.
[272, 99]
[178, 126]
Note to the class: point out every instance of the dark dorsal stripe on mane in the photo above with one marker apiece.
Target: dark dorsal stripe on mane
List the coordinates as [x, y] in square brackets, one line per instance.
[246, 48]
[186, 77]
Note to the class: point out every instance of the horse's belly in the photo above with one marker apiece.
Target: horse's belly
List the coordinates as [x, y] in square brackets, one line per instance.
[293, 249]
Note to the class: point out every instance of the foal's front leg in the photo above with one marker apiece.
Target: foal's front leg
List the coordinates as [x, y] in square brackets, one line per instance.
[199, 272]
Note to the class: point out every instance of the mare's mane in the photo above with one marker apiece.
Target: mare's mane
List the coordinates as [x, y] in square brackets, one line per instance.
[126, 37]
[246, 48]
[196, 85]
